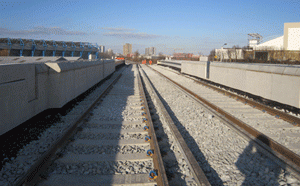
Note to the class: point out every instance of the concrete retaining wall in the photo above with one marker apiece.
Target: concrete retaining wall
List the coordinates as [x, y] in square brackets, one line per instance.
[199, 68]
[278, 83]
[173, 63]
[275, 82]
[28, 89]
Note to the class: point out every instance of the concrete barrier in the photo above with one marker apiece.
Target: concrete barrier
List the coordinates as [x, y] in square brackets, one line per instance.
[199, 68]
[28, 89]
[279, 83]
[173, 63]
[108, 67]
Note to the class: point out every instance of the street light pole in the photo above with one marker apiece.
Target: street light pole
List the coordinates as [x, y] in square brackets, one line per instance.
[222, 51]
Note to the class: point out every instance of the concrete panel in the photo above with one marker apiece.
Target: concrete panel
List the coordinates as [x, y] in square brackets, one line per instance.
[28, 89]
[17, 88]
[31, 82]
[236, 78]
[95, 74]
[280, 83]
[10, 73]
[258, 83]
[41, 103]
[13, 104]
[108, 68]
[67, 80]
[285, 89]
[61, 88]
[218, 74]
[17, 72]
[80, 77]
[198, 69]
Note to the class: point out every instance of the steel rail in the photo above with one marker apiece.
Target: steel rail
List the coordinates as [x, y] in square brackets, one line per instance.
[162, 179]
[282, 153]
[197, 172]
[32, 175]
[278, 114]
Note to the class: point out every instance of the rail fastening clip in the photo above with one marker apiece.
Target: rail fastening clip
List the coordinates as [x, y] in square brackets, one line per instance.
[147, 138]
[152, 175]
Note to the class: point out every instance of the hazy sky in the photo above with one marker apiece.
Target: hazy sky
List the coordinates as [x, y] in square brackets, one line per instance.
[181, 26]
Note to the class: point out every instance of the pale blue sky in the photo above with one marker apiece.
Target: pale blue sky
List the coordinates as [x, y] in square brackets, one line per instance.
[183, 26]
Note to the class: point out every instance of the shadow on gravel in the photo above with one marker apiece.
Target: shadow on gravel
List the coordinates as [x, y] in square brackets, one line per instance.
[169, 158]
[210, 173]
[106, 115]
[256, 167]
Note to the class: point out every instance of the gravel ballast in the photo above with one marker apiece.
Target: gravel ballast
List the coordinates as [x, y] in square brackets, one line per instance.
[96, 149]
[16, 167]
[108, 149]
[279, 130]
[105, 168]
[177, 170]
[225, 157]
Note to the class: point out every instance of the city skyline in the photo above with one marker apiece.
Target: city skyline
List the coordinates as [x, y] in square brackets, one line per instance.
[169, 26]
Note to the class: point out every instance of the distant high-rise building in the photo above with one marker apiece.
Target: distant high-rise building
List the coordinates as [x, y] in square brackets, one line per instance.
[151, 51]
[109, 51]
[147, 51]
[127, 49]
[101, 49]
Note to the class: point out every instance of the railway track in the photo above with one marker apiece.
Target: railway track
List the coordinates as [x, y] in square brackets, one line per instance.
[110, 134]
[278, 130]
[274, 137]
[109, 146]
[110, 139]
[183, 154]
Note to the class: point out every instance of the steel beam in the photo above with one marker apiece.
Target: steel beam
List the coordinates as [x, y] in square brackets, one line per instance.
[55, 46]
[82, 49]
[9, 44]
[45, 47]
[90, 47]
[73, 47]
[65, 47]
[33, 48]
[97, 51]
[22, 47]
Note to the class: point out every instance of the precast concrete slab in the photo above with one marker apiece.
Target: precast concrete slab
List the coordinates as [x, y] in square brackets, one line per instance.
[94, 180]
[28, 89]
[140, 120]
[275, 82]
[115, 123]
[110, 142]
[80, 158]
[118, 131]
[199, 68]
